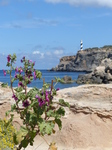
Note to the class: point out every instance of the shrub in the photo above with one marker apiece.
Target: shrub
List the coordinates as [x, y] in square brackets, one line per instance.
[38, 112]
[7, 131]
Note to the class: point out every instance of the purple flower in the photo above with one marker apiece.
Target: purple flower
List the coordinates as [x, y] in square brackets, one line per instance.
[46, 96]
[36, 96]
[16, 69]
[51, 97]
[15, 76]
[30, 75]
[47, 99]
[15, 98]
[20, 84]
[8, 58]
[42, 93]
[30, 61]
[22, 59]
[26, 103]
[4, 72]
[41, 102]
[34, 75]
[57, 89]
[20, 70]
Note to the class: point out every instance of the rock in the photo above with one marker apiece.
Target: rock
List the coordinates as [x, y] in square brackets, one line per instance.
[109, 68]
[67, 79]
[101, 74]
[87, 124]
[86, 60]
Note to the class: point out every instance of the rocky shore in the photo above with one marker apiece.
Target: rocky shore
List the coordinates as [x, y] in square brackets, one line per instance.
[86, 60]
[86, 126]
[101, 74]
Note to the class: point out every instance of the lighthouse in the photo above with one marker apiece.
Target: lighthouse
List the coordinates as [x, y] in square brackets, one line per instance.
[81, 45]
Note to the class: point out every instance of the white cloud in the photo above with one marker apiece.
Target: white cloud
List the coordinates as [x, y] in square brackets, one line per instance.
[58, 52]
[36, 52]
[107, 3]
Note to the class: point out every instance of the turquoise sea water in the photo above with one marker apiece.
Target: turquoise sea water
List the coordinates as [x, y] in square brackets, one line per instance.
[48, 75]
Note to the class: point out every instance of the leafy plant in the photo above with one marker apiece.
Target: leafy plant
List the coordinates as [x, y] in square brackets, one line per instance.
[4, 85]
[38, 112]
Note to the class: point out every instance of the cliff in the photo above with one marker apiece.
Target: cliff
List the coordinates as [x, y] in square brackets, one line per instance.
[86, 60]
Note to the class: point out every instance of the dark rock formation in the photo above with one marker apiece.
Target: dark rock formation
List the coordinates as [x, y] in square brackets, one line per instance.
[101, 74]
[67, 79]
[86, 60]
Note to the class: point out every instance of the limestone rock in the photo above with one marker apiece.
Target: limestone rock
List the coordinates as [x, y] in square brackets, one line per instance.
[86, 60]
[86, 126]
[101, 74]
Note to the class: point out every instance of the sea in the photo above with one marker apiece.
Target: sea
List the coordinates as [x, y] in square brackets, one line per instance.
[48, 76]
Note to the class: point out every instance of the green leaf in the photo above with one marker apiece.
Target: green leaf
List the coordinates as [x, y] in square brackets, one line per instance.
[60, 112]
[24, 143]
[23, 130]
[27, 117]
[7, 113]
[12, 80]
[32, 135]
[4, 85]
[15, 139]
[13, 107]
[32, 93]
[57, 79]
[46, 127]
[19, 89]
[46, 85]
[51, 113]
[33, 119]
[40, 111]
[62, 102]
[59, 123]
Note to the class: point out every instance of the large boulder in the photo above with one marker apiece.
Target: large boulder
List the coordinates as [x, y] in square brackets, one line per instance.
[101, 74]
[67, 79]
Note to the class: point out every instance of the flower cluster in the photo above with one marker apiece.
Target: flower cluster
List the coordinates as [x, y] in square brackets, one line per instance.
[25, 75]
[8, 58]
[15, 97]
[44, 98]
[26, 103]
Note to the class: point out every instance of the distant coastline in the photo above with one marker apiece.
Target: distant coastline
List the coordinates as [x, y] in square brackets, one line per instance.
[85, 60]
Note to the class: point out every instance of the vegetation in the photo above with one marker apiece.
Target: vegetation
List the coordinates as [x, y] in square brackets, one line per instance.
[38, 112]
[7, 132]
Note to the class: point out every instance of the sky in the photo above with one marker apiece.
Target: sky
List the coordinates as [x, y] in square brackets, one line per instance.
[46, 30]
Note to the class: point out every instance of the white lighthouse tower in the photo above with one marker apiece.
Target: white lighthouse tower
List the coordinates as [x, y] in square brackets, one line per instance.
[81, 45]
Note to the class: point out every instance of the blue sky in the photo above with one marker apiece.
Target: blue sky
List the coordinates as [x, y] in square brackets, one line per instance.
[45, 30]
